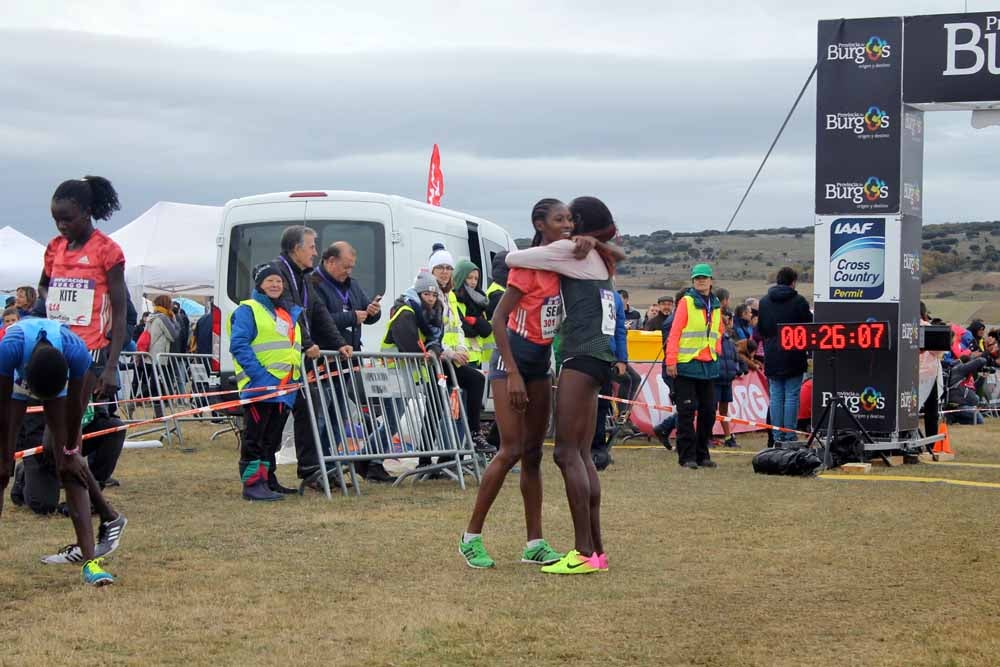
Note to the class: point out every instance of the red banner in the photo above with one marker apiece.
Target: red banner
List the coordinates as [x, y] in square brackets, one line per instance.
[750, 400]
[435, 179]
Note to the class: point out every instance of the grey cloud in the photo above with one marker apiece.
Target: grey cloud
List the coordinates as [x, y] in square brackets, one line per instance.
[666, 143]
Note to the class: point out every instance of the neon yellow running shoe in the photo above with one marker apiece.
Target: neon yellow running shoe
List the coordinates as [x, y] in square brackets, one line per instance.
[572, 563]
[95, 575]
[540, 554]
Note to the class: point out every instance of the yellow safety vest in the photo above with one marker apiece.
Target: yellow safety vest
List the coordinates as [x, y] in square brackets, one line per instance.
[391, 348]
[489, 343]
[697, 335]
[475, 345]
[454, 337]
[275, 352]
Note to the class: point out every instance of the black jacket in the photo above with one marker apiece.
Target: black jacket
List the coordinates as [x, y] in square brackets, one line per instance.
[956, 393]
[404, 332]
[318, 328]
[480, 327]
[782, 305]
[342, 312]
[180, 344]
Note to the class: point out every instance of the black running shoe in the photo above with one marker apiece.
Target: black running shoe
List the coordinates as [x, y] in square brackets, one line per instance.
[109, 536]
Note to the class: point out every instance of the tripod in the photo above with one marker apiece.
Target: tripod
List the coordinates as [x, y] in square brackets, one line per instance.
[829, 415]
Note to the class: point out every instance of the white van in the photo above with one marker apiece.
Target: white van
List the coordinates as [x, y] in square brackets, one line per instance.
[392, 235]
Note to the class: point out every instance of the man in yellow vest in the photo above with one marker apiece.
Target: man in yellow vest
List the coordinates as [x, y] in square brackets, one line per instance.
[266, 343]
[692, 353]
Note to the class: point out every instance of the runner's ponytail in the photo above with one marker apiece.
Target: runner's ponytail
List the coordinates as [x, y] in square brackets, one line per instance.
[93, 193]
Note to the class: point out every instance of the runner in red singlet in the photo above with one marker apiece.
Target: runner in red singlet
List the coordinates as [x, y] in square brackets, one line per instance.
[524, 324]
[83, 286]
[83, 282]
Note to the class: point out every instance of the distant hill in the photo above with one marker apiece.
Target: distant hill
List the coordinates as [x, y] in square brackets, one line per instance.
[661, 259]
[960, 263]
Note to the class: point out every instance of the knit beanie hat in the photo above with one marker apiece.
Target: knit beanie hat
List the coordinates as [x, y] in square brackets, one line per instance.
[425, 282]
[441, 257]
[264, 271]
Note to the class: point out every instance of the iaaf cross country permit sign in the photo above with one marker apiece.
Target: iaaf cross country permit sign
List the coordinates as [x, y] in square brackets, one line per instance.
[857, 259]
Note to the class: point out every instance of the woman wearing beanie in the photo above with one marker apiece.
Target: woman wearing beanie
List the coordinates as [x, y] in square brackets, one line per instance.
[414, 328]
[266, 343]
[455, 349]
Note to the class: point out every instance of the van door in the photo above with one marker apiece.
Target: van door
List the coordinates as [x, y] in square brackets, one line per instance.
[367, 226]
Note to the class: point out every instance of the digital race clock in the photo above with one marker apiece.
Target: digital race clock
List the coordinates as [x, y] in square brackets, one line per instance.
[829, 336]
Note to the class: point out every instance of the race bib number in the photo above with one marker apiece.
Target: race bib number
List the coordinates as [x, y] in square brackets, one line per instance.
[607, 312]
[281, 326]
[71, 301]
[551, 316]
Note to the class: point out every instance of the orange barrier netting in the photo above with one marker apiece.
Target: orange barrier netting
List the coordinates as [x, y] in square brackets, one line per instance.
[223, 392]
[718, 418]
[224, 405]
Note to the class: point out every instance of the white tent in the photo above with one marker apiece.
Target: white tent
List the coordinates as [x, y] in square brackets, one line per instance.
[170, 249]
[22, 263]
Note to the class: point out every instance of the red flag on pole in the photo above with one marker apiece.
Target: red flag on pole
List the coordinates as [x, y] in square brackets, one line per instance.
[435, 179]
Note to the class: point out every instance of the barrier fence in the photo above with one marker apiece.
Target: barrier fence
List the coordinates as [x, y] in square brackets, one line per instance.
[388, 406]
[183, 379]
[140, 396]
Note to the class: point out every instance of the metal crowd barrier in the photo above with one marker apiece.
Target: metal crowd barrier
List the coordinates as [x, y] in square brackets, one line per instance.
[139, 380]
[388, 406]
[183, 374]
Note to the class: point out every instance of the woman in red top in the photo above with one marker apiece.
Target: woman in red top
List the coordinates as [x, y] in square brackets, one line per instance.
[524, 324]
[83, 282]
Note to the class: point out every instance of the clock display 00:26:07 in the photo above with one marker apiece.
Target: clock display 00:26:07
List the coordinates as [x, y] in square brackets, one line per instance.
[827, 336]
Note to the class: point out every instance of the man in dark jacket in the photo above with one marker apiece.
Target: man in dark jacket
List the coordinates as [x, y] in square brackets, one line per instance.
[180, 344]
[350, 309]
[784, 368]
[632, 316]
[344, 297]
[295, 263]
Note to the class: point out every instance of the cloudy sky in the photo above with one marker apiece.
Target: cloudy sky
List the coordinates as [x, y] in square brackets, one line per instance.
[662, 110]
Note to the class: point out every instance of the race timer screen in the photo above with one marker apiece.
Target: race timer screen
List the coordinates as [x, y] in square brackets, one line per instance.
[834, 336]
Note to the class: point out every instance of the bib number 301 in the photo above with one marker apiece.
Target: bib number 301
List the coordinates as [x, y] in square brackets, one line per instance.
[551, 316]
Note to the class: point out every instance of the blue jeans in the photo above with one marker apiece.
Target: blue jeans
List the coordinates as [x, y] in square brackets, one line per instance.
[784, 404]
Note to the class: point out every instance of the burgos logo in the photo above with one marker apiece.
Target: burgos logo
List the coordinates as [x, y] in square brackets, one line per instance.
[871, 191]
[873, 120]
[875, 189]
[868, 400]
[876, 119]
[874, 50]
[877, 48]
[872, 399]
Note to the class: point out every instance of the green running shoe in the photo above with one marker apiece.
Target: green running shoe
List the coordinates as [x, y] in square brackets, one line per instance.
[475, 554]
[540, 554]
[95, 575]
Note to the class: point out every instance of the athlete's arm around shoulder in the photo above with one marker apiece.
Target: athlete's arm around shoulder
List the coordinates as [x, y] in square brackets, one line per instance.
[559, 257]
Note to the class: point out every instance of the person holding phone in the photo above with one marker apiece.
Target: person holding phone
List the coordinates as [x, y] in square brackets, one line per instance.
[351, 309]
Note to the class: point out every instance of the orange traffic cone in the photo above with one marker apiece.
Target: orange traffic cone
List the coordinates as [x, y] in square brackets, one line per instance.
[942, 448]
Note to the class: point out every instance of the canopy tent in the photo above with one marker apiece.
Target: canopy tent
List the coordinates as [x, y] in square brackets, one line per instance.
[22, 263]
[170, 249]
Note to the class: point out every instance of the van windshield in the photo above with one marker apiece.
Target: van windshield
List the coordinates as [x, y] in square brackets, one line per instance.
[256, 243]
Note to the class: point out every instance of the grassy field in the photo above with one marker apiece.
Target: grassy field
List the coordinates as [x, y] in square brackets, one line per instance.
[718, 567]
